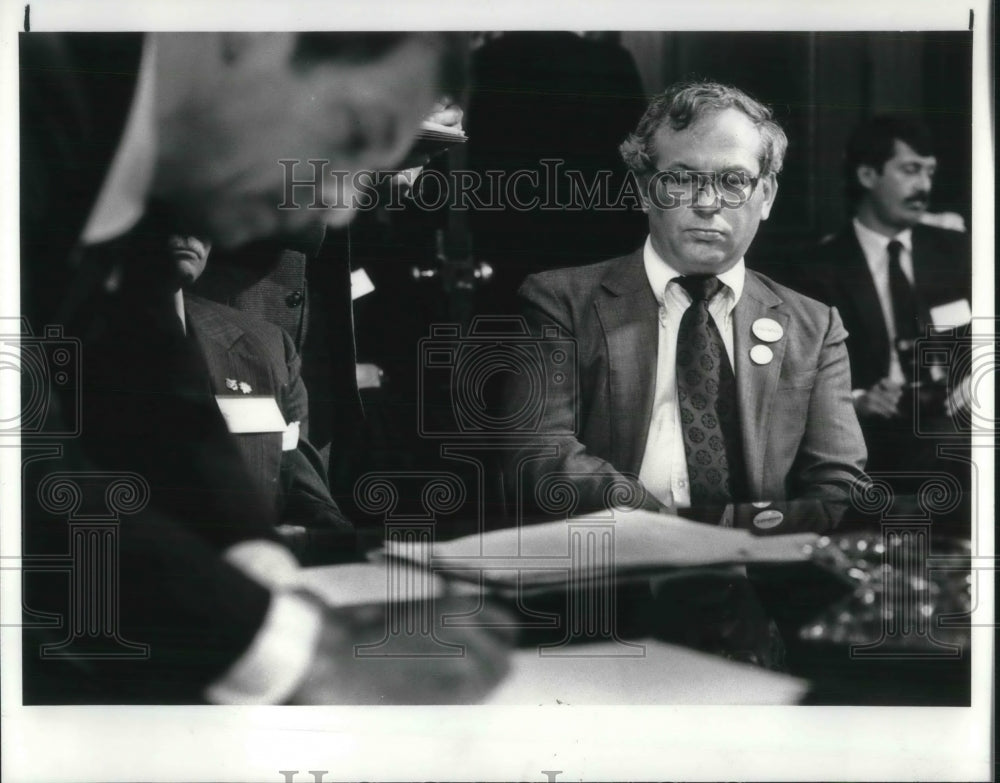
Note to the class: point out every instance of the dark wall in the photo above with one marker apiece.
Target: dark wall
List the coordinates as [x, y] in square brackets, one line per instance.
[821, 85]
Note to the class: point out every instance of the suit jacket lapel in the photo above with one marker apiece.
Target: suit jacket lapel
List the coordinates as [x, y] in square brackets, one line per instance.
[628, 315]
[222, 343]
[756, 383]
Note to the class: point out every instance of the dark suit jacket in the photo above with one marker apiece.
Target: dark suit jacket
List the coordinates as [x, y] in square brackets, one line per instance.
[800, 435]
[242, 348]
[838, 275]
[266, 279]
[175, 593]
[303, 285]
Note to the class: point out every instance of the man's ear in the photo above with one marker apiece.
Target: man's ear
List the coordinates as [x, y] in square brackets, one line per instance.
[867, 176]
[769, 186]
[644, 183]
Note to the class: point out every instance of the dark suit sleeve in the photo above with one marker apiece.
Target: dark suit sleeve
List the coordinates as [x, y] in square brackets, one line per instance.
[557, 467]
[323, 533]
[832, 454]
[172, 590]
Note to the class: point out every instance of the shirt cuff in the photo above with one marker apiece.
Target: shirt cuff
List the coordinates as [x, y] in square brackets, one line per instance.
[855, 393]
[279, 656]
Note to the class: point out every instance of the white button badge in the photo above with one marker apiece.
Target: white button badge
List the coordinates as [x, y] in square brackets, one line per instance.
[761, 354]
[767, 329]
[766, 520]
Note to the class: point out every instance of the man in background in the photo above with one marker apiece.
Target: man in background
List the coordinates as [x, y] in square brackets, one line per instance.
[254, 376]
[891, 277]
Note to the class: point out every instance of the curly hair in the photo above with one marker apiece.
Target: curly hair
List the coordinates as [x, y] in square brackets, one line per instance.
[682, 104]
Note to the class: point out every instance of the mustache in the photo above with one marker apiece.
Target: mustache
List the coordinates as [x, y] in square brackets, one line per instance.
[921, 197]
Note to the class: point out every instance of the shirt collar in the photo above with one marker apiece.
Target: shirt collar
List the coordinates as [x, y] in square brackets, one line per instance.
[875, 244]
[122, 199]
[660, 273]
[179, 307]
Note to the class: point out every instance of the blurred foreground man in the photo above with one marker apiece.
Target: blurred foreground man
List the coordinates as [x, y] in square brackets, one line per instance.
[891, 277]
[700, 382]
[122, 135]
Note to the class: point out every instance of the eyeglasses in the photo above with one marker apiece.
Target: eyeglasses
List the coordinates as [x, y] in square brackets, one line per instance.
[672, 189]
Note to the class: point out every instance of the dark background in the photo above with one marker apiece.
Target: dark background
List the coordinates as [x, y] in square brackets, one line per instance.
[820, 86]
[823, 84]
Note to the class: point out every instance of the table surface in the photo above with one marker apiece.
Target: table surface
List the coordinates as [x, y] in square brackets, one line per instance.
[714, 630]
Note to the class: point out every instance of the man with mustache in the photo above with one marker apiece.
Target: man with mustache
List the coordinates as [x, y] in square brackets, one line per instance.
[887, 273]
[700, 383]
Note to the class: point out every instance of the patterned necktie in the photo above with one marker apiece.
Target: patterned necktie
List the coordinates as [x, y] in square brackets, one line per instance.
[905, 311]
[706, 394]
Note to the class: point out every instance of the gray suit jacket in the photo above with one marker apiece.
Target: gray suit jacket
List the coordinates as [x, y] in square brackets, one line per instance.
[801, 437]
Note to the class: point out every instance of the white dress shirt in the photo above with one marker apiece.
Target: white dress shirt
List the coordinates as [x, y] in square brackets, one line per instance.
[876, 249]
[277, 659]
[179, 309]
[664, 465]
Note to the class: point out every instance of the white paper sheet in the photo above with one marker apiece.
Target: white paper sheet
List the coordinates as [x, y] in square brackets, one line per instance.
[628, 541]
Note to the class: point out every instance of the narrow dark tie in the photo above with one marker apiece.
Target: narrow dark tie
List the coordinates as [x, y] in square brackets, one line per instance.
[905, 310]
[706, 394]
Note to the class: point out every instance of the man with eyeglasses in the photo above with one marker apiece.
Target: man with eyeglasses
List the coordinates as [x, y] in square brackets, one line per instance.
[699, 382]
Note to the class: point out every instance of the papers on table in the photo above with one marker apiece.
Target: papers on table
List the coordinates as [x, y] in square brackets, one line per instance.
[353, 584]
[585, 548]
[593, 674]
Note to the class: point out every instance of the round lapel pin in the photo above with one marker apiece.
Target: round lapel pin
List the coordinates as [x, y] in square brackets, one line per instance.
[767, 329]
[761, 354]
